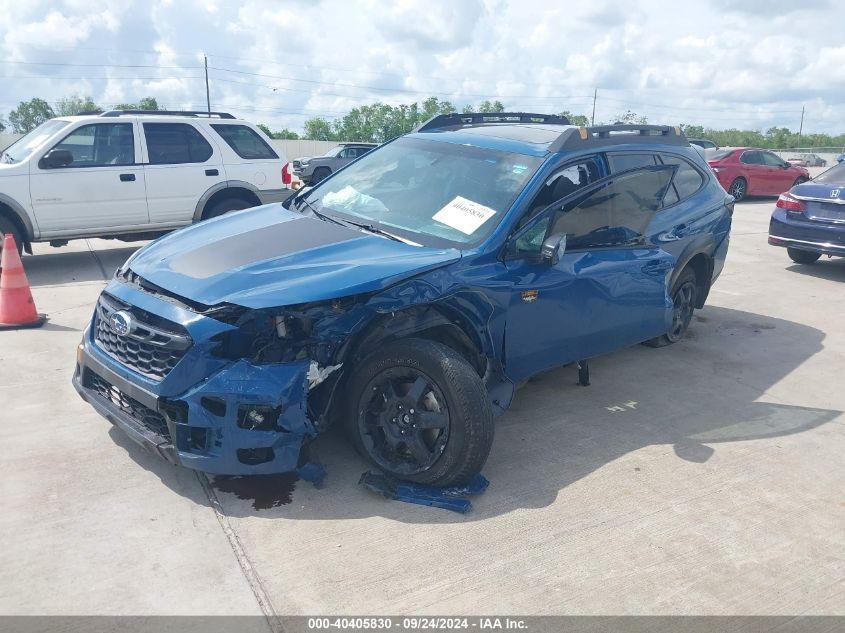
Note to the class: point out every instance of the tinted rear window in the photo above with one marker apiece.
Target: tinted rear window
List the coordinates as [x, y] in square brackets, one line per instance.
[834, 176]
[245, 141]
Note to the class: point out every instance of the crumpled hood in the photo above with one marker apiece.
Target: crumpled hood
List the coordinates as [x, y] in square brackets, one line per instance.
[269, 256]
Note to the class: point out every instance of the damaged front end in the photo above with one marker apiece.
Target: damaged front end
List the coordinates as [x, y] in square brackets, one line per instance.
[250, 389]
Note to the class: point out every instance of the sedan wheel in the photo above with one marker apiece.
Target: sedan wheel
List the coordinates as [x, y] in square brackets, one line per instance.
[738, 189]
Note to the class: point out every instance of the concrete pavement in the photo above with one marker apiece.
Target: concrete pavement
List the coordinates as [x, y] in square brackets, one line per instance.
[702, 478]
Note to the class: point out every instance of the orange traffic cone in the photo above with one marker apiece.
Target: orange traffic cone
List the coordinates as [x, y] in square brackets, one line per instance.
[17, 309]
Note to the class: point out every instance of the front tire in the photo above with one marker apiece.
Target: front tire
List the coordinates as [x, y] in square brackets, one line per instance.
[738, 189]
[418, 411]
[802, 257]
[225, 206]
[321, 173]
[7, 226]
[684, 297]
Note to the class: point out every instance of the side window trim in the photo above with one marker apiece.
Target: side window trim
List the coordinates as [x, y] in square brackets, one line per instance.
[209, 142]
[135, 148]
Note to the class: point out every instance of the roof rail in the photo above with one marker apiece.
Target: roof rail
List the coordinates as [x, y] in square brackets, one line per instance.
[458, 119]
[191, 113]
[603, 135]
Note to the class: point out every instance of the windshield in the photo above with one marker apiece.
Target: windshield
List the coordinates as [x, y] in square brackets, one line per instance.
[430, 192]
[834, 176]
[334, 150]
[26, 144]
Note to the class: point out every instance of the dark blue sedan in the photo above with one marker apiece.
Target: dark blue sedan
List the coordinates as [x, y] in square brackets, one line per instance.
[809, 219]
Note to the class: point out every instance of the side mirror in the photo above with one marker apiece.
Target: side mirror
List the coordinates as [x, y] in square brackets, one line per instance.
[56, 158]
[553, 248]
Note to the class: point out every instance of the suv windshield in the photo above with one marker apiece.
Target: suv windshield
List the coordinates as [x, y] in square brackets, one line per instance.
[431, 192]
[26, 144]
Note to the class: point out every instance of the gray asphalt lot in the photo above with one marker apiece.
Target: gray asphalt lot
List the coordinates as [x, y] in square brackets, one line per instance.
[702, 478]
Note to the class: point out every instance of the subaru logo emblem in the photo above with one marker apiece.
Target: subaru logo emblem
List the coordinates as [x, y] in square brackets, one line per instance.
[834, 193]
[121, 323]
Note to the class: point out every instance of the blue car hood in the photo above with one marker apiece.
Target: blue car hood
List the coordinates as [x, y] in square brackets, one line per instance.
[269, 256]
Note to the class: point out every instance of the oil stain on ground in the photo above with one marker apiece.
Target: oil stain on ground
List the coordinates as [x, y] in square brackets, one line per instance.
[265, 491]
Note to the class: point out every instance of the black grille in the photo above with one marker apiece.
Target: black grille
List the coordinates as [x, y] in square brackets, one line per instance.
[151, 347]
[152, 420]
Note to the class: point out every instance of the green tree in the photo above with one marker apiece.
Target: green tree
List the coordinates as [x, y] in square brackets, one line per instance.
[281, 134]
[631, 117]
[30, 114]
[2, 125]
[488, 106]
[318, 129]
[147, 103]
[576, 119]
[76, 104]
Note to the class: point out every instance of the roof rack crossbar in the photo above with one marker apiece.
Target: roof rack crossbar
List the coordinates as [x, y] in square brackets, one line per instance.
[603, 135]
[457, 119]
[191, 113]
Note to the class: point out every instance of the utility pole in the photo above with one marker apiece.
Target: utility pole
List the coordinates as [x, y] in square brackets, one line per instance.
[593, 118]
[801, 127]
[207, 92]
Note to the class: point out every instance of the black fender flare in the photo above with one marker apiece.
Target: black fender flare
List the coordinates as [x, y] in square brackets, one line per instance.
[217, 188]
[19, 213]
[705, 246]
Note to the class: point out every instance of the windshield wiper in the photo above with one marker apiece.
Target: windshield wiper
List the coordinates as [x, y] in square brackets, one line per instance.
[319, 214]
[372, 228]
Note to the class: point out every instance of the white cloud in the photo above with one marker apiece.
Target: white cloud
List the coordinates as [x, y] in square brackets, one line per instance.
[730, 63]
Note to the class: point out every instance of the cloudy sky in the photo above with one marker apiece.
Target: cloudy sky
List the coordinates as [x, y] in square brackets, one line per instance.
[724, 63]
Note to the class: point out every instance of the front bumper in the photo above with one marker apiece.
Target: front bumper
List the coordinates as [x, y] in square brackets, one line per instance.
[195, 416]
[827, 238]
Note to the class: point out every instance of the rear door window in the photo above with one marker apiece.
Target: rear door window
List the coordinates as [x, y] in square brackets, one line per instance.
[245, 142]
[175, 143]
[751, 158]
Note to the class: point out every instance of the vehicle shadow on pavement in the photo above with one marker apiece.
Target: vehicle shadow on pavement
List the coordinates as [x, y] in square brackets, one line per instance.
[51, 269]
[831, 269]
[694, 396]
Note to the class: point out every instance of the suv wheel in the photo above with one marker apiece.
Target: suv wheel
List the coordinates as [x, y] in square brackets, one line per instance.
[321, 173]
[802, 257]
[225, 206]
[684, 294]
[7, 226]
[738, 189]
[418, 411]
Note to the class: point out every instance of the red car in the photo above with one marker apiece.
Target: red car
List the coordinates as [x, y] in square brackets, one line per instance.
[750, 171]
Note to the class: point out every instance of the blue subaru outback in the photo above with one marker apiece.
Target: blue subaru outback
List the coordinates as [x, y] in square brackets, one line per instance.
[406, 296]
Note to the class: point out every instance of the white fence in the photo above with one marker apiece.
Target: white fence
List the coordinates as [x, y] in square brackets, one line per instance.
[286, 149]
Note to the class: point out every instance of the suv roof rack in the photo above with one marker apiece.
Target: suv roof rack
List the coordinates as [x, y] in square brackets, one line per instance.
[458, 119]
[191, 113]
[621, 134]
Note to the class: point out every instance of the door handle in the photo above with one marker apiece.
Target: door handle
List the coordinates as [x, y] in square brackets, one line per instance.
[212, 172]
[127, 177]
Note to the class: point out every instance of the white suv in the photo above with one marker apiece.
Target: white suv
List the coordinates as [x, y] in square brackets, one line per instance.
[131, 174]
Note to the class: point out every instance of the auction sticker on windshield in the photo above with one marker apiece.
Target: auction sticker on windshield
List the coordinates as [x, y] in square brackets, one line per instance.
[464, 215]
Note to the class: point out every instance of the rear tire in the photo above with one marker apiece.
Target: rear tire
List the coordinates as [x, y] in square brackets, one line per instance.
[225, 206]
[417, 410]
[684, 296]
[7, 226]
[802, 257]
[738, 189]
